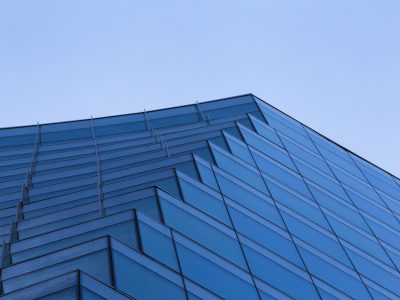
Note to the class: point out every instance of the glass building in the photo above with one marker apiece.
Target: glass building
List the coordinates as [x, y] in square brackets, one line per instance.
[228, 199]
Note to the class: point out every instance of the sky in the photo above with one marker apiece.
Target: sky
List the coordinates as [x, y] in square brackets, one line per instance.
[333, 65]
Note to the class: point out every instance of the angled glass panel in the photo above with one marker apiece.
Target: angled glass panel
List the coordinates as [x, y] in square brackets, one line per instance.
[322, 179]
[271, 269]
[248, 197]
[315, 236]
[59, 287]
[338, 206]
[384, 276]
[296, 202]
[92, 288]
[356, 184]
[91, 257]
[310, 157]
[201, 228]
[239, 149]
[120, 226]
[265, 130]
[206, 173]
[213, 272]
[280, 173]
[156, 241]
[367, 242]
[138, 275]
[203, 198]
[332, 273]
[266, 147]
[239, 169]
[264, 233]
[374, 209]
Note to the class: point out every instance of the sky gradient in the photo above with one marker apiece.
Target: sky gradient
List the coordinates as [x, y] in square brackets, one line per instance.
[333, 65]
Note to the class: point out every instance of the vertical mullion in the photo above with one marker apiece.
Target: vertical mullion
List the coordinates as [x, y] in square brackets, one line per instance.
[99, 177]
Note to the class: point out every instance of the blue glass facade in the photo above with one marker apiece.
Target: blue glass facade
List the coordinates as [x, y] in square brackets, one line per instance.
[228, 199]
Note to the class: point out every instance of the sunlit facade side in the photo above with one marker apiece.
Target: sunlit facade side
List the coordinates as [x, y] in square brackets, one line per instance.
[227, 199]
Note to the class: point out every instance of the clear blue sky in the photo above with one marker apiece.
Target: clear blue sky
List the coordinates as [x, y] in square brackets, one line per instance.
[334, 65]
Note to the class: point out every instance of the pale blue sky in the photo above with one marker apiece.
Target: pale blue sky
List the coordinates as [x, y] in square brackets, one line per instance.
[334, 65]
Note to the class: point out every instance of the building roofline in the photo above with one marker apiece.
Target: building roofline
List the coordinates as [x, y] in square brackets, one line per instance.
[128, 114]
[210, 101]
[332, 141]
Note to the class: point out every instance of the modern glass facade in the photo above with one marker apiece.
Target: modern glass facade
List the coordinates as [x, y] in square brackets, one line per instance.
[228, 199]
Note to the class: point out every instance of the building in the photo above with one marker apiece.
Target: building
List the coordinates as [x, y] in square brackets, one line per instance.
[227, 199]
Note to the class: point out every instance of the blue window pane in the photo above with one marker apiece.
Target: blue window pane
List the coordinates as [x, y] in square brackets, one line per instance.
[368, 243]
[297, 203]
[356, 184]
[386, 277]
[207, 270]
[249, 197]
[206, 173]
[346, 281]
[239, 169]
[318, 238]
[264, 233]
[279, 172]
[267, 147]
[265, 131]
[371, 207]
[203, 198]
[202, 229]
[156, 241]
[297, 285]
[88, 263]
[239, 149]
[125, 232]
[89, 295]
[338, 206]
[139, 281]
[66, 294]
[310, 157]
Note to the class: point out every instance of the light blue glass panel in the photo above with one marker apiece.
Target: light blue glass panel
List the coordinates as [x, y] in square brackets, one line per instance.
[373, 208]
[338, 206]
[125, 232]
[357, 184]
[329, 148]
[392, 203]
[201, 228]
[384, 232]
[265, 131]
[367, 243]
[264, 233]
[266, 147]
[249, 197]
[135, 278]
[274, 116]
[212, 272]
[267, 267]
[203, 198]
[239, 149]
[239, 169]
[280, 173]
[88, 263]
[89, 295]
[310, 157]
[322, 179]
[206, 173]
[318, 238]
[156, 241]
[67, 294]
[384, 276]
[326, 269]
[297, 203]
